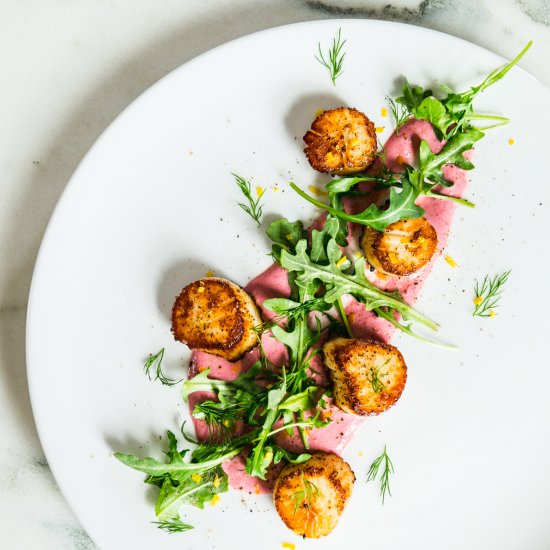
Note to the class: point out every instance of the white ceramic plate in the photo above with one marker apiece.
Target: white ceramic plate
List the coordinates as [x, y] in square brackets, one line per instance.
[153, 206]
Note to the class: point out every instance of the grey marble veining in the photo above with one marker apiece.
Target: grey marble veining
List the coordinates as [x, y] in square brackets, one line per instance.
[68, 69]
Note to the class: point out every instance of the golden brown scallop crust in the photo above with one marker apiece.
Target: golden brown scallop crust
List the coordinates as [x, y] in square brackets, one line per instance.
[341, 141]
[402, 248]
[216, 316]
[369, 376]
[311, 497]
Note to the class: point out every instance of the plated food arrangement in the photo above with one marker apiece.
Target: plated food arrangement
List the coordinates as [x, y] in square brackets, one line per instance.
[285, 370]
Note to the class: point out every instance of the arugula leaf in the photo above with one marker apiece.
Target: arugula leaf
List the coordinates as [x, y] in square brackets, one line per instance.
[303, 401]
[430, 164]
[432, 110]
[339, 283]
[154, 467]
[194, 489]
[453, 114]
[181, 482]
[285, 235]
[412, 96]
[319, 239]
[402, 205]
[258, 462]
[289, 456]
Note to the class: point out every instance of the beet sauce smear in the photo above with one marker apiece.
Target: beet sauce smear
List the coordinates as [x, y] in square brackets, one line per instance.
[273, 283]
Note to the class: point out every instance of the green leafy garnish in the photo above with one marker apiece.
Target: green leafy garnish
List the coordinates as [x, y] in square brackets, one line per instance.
[335, 55]
[387, 469]
[488, 293]
[401, 206]
[375, 377]
[454, 113]
[254, 209]
[413, 183]
[155, 363]
[399, 112]
[306, 495]
[356, 283]
[193, 482]
[175, 525]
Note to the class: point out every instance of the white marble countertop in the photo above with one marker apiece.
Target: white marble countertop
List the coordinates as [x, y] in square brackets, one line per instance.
[68, 68]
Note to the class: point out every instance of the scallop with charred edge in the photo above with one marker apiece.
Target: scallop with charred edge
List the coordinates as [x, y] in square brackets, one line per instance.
[216, 316]
[310, 497]
[368, 376]
[341, 141]
[402, 248]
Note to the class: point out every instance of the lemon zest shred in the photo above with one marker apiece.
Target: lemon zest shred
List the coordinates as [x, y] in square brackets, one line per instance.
[383, 112]
[196, 478]
[216, 482]
[511, 141]
[288, 546]
[380, 129]
[215, 500]
[478, 300]
[341, 261]
[491, 313]
[317, 191]
[450, 261]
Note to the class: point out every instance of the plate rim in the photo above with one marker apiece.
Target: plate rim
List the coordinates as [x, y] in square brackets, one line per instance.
[37, 402]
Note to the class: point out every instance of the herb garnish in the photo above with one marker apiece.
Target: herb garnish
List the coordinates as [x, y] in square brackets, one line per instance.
[175, 525]
[451, 118]
[306, 495]
[399, 112]
[375, 377]
[254, 209]
[488, 293]
[155, 362]
[454, 113]
[386, 463]
[335, 57]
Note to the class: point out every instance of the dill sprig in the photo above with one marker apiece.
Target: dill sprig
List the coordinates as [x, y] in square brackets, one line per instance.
[172, 525]
[253, 208]
[386, 463]
[335, 57]
[488, 293]
[155, 363]
[305, 495]
[399, 112]
[375, 376]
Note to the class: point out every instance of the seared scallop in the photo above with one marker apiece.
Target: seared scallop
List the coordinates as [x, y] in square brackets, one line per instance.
[341, 141]
[310, 497]
[402, 248]
[368, 376]
[216, 316]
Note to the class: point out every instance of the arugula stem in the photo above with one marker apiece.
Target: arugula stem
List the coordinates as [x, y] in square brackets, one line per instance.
[298, 425]
[343, 316]
[303, 434]
[463, 202]
[158, 468]
[405, 328]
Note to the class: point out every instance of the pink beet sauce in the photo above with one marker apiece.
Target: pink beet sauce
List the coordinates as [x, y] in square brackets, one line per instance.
[400, 149]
